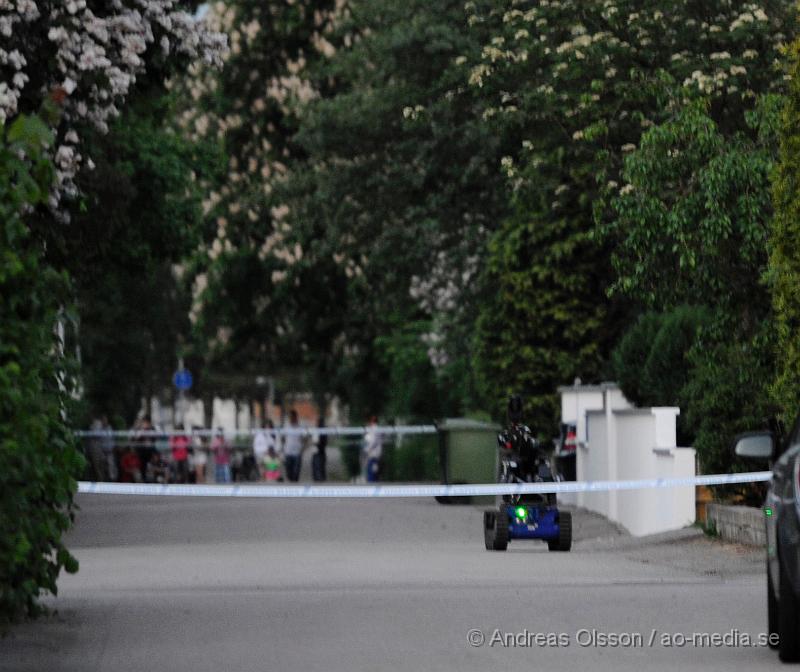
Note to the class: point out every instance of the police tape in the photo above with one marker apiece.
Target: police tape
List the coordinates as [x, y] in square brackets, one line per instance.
[387, 490]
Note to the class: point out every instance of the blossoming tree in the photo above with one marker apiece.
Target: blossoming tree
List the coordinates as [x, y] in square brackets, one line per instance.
[91, 52]
[581, 82]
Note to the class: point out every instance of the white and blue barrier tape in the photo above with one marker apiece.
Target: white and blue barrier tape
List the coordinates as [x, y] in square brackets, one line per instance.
[389, 490]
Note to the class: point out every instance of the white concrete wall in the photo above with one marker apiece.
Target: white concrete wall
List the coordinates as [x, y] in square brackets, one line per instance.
[635, 435]
[578, 400]
[683, 499]
[592, 462]
[626, 443]
[575, 404]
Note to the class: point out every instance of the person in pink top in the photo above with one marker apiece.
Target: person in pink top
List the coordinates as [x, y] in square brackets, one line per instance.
[222, 458]
[180, 455]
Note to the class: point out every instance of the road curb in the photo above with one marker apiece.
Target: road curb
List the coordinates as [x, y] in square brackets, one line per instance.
[739, 524]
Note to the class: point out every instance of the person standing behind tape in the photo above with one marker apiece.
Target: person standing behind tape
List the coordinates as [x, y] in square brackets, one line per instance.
[373, 450]
[222, 458]
[145, 440]
[179, 444]
[199, 455]
[260, 447]
[109, 449]
[263, 440]
[97, 460]
[271, 466]
[319, 459]
[293, 448]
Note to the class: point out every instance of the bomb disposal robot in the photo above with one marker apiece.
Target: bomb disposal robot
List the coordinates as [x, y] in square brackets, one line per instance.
[522, 460]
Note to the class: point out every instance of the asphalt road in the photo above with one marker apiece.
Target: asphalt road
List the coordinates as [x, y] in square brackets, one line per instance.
[305, 585]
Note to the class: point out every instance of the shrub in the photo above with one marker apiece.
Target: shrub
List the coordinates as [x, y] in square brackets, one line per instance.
[38, 459]
[727, 393]
[416, 458]
[784, 247]
[650, 361]
[629, 357]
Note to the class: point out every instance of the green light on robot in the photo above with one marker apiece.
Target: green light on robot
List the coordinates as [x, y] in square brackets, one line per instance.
[521, 512]
[768, 511]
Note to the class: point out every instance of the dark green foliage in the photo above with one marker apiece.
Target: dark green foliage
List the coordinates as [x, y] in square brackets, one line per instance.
[402, 186]
[785, 248]
[546, 322]
[412, 380]
[351, 457]
[666, 370]
[650, 362]
[390, 177]
[448, 187]
[691, 226]
[728, 393]
[718, 376]
[38, 459]
[416, 458]
[630, 357]
[580, 84]
[140, 216]
[249, 323]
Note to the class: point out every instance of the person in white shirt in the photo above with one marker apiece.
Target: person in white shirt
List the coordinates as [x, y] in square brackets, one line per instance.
[199, 456]
[373, 450]
[263, 440]
[293, 448]
[259, 445]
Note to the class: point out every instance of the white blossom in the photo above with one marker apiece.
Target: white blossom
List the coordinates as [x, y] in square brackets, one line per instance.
[96, 59]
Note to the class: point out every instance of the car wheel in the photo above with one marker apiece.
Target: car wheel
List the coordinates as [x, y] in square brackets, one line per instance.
[772, 610]
[788, 621]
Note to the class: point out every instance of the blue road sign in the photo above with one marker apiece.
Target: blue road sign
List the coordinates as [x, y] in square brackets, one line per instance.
[182, 379]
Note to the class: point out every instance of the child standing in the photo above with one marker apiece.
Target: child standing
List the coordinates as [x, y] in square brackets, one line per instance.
[271, 466]
[130, 467]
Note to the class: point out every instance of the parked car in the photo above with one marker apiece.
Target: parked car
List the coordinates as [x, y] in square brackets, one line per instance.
[782, 519]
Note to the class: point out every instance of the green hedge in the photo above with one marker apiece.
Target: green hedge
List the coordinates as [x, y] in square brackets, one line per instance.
[415, 459]
[38, 458]
[351, 452]
[784, 247]
[686, 357]
[650, 362]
